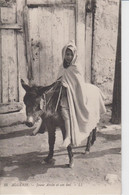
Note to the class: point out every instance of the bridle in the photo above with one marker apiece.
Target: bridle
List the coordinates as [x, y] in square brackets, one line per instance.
[44, 102]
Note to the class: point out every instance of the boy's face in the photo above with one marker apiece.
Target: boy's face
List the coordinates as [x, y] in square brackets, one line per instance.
[68, 56]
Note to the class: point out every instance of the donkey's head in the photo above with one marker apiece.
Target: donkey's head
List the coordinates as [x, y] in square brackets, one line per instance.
[32, 101]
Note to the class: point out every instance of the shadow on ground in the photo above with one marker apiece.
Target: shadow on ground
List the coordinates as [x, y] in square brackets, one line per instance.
[109, 137]
[28, 165]
[31, 164]
[16, 134]
[99, 153]
[25, 165]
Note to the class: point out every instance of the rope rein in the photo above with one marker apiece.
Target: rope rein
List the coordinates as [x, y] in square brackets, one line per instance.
[58, 99]
[47, 102]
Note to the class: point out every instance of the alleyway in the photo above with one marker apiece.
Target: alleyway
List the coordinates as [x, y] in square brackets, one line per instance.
[21, 159]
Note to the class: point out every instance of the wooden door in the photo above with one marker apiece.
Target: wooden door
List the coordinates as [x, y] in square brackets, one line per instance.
[51, 26]
[9, 66]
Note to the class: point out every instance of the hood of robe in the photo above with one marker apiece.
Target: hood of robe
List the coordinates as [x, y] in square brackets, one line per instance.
[72, 47]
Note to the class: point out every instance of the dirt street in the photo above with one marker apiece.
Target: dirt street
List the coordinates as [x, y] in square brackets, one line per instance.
[21, 160]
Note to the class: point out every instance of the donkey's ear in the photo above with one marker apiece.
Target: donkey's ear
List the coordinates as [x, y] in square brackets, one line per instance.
[24, 85]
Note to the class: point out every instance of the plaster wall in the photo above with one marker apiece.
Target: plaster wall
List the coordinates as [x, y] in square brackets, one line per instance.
[104, 46]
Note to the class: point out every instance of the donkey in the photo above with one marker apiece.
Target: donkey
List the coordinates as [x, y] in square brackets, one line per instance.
[49, 112]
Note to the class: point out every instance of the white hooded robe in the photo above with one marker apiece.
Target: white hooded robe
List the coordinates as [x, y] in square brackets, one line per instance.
[85, 100]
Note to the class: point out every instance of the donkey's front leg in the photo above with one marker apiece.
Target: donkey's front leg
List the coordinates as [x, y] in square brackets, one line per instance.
[51, 141]
[70, 154]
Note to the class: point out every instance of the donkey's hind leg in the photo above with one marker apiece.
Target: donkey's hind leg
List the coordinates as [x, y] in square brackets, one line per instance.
[93, 136]
[90, 141]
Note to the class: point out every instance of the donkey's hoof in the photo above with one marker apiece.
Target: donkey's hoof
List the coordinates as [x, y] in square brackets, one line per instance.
[32, 134]
[49, 160]
[86, 152]
[71, 164]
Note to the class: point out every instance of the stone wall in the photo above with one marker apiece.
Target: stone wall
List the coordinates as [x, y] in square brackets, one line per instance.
[104, 45]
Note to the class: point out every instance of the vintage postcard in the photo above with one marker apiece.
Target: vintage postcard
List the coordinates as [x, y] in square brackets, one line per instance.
[60, 97]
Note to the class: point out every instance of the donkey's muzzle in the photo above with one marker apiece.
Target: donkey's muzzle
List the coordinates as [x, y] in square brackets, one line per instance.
[29, 124]
[30, 121]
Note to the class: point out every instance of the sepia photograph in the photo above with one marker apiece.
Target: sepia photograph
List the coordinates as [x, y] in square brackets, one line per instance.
[60, 97]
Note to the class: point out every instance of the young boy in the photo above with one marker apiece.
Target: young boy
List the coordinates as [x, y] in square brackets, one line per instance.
[81, 103]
